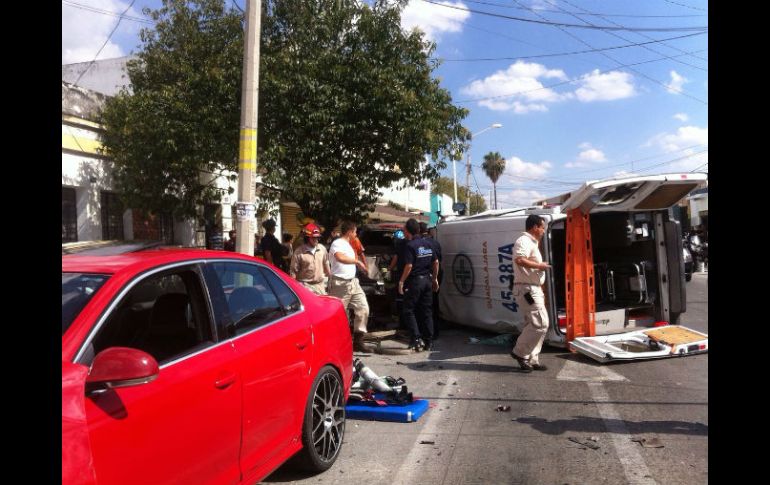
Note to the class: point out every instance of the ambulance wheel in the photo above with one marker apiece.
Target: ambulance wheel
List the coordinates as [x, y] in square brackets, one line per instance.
[323, 428]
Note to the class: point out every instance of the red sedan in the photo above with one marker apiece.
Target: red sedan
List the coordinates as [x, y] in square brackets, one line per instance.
[205, 367]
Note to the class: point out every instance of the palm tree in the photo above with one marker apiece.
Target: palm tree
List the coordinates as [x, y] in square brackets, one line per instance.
[494, 166]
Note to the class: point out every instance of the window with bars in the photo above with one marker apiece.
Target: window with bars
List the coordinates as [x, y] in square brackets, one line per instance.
[112, 216]
[69, 215]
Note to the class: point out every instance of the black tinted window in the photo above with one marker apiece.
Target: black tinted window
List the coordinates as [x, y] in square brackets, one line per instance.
[250, 299]
[77, 289]
[286, 297]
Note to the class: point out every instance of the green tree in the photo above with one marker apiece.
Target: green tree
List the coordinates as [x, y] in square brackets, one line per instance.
[494, 166]
[180, 124]
[444, 185]
[347, 105]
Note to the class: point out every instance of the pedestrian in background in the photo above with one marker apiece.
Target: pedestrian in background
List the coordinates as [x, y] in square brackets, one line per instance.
[343, 283]
[287, 251]
[529, 276]
[271, 248]
[417, 283]
[230, 244]
[216, 240]
[310, 262]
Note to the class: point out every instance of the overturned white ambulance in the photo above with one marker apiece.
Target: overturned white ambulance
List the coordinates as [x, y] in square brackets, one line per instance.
[635, 257]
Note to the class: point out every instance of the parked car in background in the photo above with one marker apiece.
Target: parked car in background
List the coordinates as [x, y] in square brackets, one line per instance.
[194, 366]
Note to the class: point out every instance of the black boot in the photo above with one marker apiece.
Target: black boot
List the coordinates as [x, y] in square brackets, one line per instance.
[359, 345]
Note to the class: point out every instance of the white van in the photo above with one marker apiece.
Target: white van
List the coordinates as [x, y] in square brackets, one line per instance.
[637, 257]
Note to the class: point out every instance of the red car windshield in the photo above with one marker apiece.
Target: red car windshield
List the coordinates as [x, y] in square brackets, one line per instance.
[76, 291]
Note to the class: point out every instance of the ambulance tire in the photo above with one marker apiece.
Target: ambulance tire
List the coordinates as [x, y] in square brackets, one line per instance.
[323, 427]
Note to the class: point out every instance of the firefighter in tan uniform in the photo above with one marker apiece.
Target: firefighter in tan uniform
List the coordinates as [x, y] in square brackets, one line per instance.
[310, 262]
[528, 278]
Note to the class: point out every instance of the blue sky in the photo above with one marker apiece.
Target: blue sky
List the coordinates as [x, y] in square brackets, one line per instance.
[565, 118]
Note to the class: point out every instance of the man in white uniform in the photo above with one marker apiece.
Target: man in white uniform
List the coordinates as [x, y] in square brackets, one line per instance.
[344, 283]
[528, 278]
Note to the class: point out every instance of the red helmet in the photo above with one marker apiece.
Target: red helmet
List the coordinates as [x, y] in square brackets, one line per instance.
[311, 230]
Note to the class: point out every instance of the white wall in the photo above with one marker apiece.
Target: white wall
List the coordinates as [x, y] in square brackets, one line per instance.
[410, 197]
[77, 171]
[697, 205]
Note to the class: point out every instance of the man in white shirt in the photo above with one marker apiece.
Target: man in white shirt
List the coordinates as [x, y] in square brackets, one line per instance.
[343, 283]
[528, 278]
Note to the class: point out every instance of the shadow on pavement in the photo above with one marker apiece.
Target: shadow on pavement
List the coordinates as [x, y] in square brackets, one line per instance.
[590, 424]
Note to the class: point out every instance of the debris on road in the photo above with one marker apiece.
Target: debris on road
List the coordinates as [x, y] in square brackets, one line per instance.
[503, 409]
[426, 442]
[589, 443]
[503, 340]
[441, 383]
[648, 442]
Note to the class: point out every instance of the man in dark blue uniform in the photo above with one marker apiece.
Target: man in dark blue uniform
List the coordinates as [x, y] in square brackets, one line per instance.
[417, 283]
[437, 323]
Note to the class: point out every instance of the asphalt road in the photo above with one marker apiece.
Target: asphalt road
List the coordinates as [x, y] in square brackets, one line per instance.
[474, 443]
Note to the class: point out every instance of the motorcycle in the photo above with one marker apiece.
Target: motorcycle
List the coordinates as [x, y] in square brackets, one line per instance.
[698, 248]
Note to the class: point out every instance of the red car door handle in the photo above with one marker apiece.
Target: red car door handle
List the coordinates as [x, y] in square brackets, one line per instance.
[224, 381]
[302, 345]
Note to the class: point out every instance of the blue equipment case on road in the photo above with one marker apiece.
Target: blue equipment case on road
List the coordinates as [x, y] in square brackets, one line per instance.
[400, 413]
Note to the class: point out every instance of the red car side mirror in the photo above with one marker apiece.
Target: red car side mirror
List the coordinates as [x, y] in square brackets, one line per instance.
[121, 367]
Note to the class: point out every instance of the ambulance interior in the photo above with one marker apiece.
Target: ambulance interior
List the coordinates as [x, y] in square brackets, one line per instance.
[625, 270]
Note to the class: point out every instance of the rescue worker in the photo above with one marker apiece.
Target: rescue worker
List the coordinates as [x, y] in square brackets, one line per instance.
[343, 283]
[528, 277]
[396, 267]
[426, 234]
[417, 284]
[310, 262]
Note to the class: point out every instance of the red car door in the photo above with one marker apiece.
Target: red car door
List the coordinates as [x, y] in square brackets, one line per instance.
[272, 338]
[184, 427]
[181, 428]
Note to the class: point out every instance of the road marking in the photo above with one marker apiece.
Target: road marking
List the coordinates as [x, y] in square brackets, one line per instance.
[628, 452]
[418, 456]
[634, 467]
[575, 370]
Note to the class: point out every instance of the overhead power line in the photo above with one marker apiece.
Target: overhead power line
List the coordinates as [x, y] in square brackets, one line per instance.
[587, 51]
[105, 43]
[638, 33]
[575, 26]
[572, 81]
[237, 6]
[592, 13]
[107, 12]
[555, 182]
[686, 6]
[680, 91]
[632, 162]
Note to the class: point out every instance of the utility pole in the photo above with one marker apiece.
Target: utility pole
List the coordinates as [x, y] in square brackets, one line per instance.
[454, 172]
[247, 161]
[468, 181]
